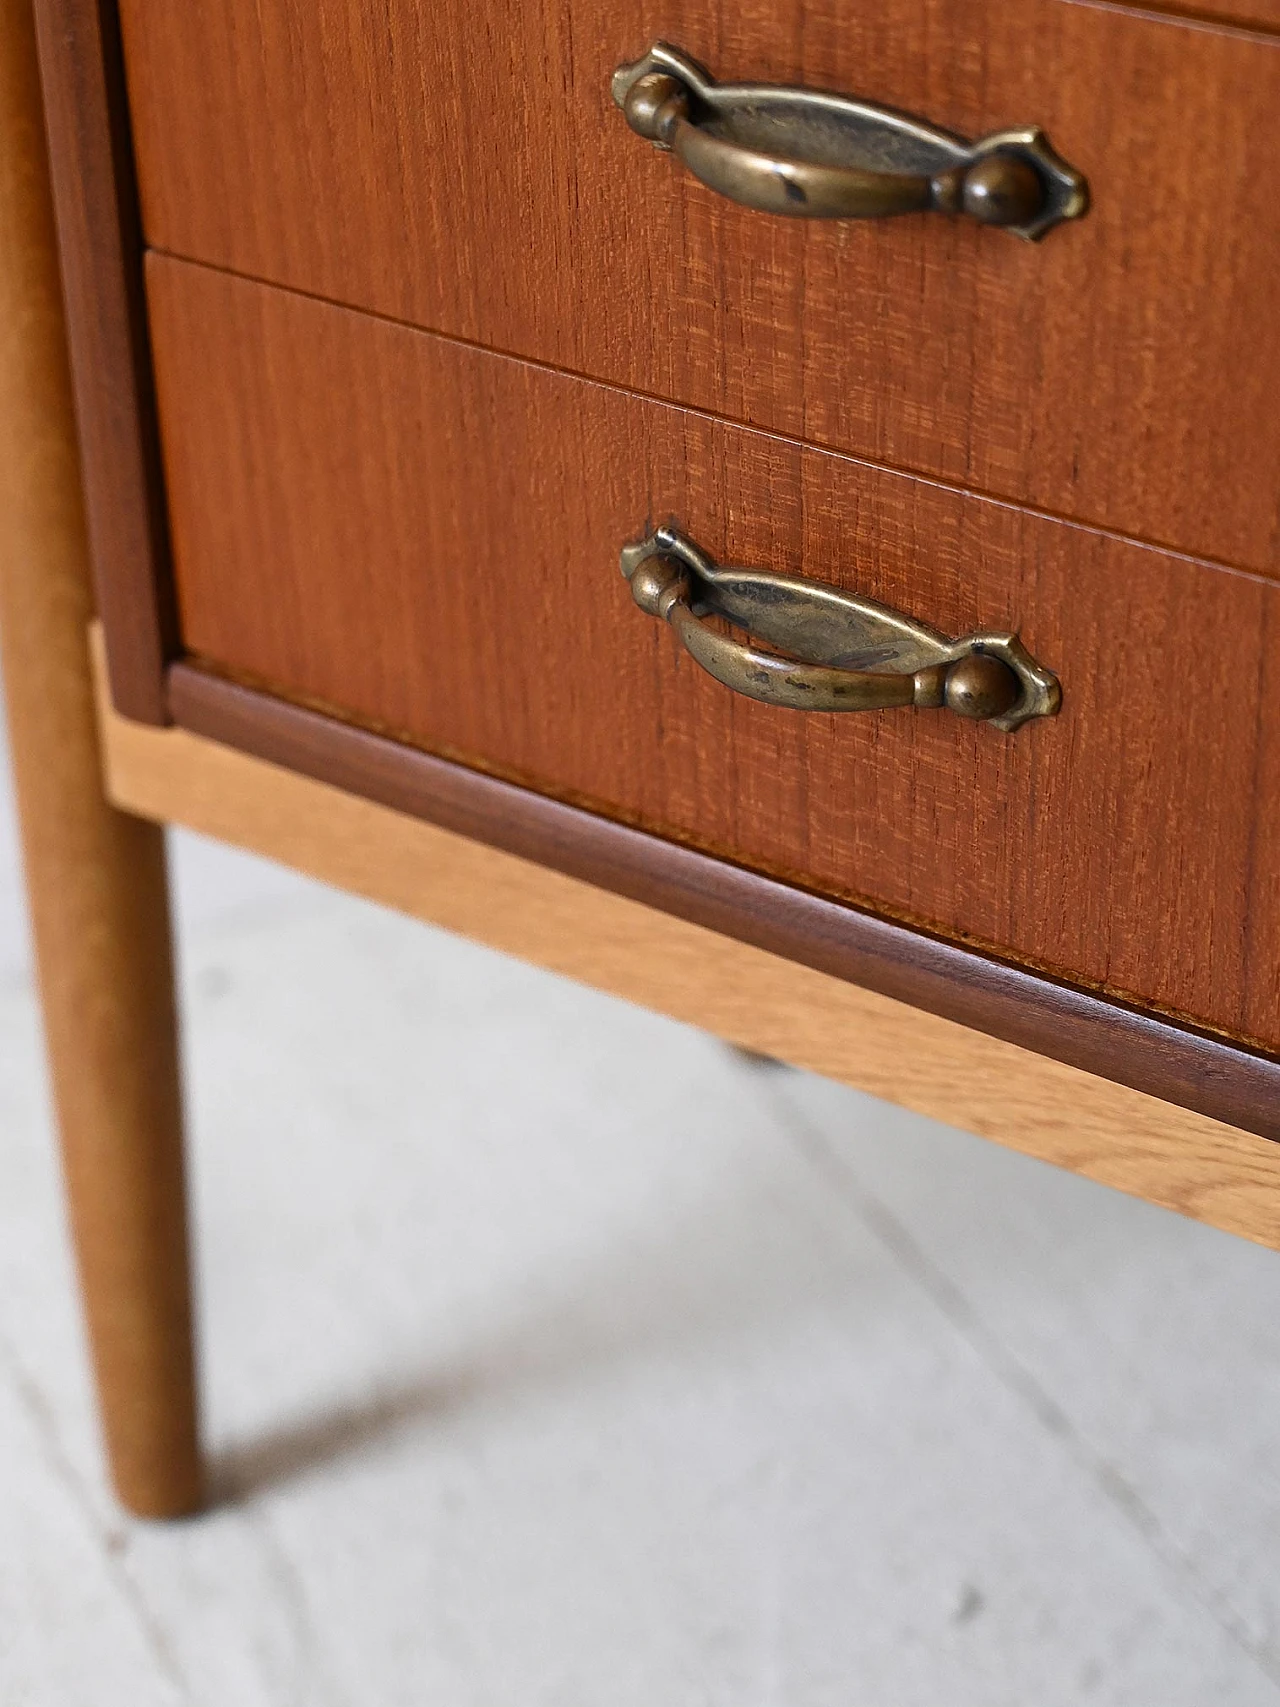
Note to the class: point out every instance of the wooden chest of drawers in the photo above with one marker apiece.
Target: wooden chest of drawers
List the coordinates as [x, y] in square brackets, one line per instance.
[371, 517]
[1074, 440]
[391, 335]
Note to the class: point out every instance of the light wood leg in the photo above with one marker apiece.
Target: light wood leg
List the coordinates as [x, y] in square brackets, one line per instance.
[95, 877]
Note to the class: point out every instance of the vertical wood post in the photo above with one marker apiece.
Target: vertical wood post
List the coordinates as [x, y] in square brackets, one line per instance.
[95, 877]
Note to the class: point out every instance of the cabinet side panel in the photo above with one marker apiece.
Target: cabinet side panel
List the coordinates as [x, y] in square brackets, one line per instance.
[100, 244]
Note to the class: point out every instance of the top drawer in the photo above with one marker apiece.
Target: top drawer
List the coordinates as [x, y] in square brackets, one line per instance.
[463, 168]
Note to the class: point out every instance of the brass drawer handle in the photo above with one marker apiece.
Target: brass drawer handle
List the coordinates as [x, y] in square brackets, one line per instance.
[846, 653]
[819, 156]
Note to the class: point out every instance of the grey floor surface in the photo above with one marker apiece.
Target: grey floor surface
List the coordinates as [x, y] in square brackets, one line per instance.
[556, 1357]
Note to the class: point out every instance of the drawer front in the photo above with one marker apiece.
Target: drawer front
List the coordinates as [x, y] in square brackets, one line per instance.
[463, 168]
[423, 537]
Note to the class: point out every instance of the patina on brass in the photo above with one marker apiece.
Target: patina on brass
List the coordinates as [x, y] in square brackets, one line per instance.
[845, 653]
[814, 155]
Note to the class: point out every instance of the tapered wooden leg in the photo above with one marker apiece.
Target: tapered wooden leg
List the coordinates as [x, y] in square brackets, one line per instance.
[95, 877]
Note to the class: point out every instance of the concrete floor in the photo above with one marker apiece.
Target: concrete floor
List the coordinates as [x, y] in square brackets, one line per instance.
[557, 1357]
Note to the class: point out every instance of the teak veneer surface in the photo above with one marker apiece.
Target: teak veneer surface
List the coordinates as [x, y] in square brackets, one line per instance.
[463, 168]
[423, 536]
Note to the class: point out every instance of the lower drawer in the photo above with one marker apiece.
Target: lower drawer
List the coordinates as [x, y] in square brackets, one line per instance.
[423, 538]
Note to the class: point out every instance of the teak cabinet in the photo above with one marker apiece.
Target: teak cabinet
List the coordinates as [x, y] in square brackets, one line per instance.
[920, 381]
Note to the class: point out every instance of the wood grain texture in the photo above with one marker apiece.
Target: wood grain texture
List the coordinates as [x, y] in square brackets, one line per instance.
[95, 877]
[425, 537]
[96, 204]
[761, 1001]
[463, 168]
[1178, 1065]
